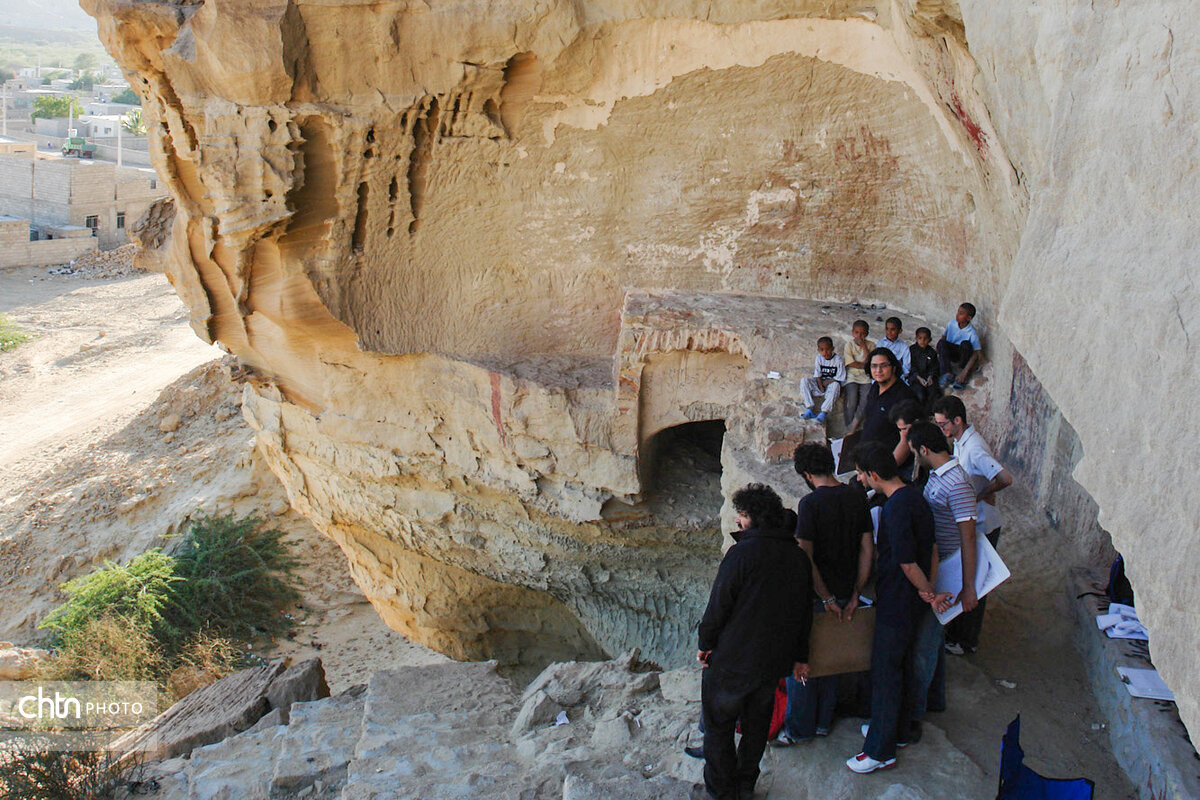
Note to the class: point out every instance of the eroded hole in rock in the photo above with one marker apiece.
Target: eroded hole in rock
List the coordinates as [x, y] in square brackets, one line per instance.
[682, 475]
[312, 197]
[393, 190]
[360, 218]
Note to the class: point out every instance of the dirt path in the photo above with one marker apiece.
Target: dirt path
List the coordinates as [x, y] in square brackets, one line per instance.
[102, 352]
[87, 473]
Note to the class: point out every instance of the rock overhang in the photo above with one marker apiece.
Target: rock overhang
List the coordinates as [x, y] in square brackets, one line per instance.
[377, 199]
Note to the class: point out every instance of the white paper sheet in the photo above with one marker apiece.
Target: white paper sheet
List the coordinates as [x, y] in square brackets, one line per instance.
[1145, 683]
[990, 572]
[1121, 622]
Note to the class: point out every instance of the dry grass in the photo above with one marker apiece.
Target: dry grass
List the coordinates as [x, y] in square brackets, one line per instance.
[107, 648]
[204, 660]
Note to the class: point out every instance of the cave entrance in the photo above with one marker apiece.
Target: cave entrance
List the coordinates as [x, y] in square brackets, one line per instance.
[681, 474]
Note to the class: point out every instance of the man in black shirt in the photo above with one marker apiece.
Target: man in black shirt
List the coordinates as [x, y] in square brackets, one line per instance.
[754, 632]
[874, 414]
[833, 527]
[906, 567]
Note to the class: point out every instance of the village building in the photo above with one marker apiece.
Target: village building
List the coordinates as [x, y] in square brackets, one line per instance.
[56, 199]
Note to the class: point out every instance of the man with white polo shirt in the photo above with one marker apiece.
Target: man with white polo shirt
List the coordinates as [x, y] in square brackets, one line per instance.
[988, 476]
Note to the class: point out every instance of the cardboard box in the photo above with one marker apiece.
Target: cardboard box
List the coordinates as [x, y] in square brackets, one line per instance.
[837, 647]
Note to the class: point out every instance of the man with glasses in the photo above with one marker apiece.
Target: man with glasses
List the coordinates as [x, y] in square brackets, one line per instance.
[988, 476]
[874, 414]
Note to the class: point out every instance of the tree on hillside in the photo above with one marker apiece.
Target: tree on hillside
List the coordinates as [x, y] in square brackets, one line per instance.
[47, 107]
[85, 61]
[127, 97]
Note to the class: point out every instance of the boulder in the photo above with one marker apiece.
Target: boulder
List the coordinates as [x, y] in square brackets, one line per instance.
[229, 706]
[477, 261]
[20, 663]
[299, 683]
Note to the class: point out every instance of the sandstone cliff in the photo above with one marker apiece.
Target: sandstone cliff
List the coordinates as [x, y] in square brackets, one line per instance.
[442, 237]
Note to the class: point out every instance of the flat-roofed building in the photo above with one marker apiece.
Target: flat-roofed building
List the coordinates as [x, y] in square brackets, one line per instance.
[68, 192]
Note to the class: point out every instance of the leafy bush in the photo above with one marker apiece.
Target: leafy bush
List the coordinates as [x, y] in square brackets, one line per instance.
[32, 774]
[176, 618]
[135, 594]
[11, 334]
[127, 97]
[53, 107]
[108, 648]
[236, 576]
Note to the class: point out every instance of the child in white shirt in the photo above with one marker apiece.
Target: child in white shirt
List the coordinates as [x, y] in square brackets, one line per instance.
[829, 373]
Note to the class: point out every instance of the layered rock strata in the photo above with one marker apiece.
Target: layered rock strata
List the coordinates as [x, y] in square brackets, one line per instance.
[430, 229]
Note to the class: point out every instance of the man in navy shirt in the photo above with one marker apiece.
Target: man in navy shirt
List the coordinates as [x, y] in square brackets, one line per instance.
[906, 567]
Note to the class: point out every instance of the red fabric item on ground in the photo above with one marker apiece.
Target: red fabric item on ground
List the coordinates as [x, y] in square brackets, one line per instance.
[778, 713]
[780, 710]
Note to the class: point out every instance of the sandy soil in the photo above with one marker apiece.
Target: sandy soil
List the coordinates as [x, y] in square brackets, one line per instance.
[87, 473]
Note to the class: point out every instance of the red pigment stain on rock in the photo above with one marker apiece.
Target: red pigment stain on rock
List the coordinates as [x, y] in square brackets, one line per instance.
[496, 408]
[969, 125]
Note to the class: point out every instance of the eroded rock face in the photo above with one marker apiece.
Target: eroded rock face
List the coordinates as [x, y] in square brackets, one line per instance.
[440, 237]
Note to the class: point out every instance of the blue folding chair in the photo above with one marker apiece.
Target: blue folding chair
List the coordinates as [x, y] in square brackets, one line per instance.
[1019, 782]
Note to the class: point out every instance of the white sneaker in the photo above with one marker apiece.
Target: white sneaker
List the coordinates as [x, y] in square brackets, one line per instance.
[863, 763]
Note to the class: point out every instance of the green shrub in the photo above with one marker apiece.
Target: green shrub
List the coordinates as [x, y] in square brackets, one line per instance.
[127, 97]
[11, 334]
[176, 619]
[30, 774]
[236, 578]
[135, 594]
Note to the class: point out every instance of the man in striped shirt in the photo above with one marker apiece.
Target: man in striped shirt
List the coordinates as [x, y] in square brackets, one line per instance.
[952, 499]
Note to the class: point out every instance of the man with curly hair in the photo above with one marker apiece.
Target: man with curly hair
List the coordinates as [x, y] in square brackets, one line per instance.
[754, 632]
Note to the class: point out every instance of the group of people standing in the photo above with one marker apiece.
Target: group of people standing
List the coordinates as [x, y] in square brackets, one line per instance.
[935, 482]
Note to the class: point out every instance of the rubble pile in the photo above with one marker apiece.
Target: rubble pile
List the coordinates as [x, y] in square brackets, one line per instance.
[102, 264]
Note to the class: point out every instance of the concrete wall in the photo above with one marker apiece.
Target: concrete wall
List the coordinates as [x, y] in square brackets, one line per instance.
[17, 251]
[68, 192]
[11, 147]
[52, 127]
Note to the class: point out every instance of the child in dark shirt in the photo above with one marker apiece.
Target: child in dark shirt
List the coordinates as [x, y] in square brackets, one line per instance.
[923, 380]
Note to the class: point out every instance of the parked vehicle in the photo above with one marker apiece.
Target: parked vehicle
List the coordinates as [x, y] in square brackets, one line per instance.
[78, 146]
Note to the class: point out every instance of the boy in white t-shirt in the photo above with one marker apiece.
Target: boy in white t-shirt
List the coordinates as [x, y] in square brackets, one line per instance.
[829, 373]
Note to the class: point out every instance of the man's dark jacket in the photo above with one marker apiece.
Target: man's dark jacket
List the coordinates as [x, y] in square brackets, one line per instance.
[759, 613]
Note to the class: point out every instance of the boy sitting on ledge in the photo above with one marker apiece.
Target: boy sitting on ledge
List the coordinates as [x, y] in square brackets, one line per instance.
[959, 346]
[829, 373]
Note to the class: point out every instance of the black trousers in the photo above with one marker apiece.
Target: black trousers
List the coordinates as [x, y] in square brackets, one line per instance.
[953, 357]
[965, 628]
[891, 687]
[926, 395]
[729, 772]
